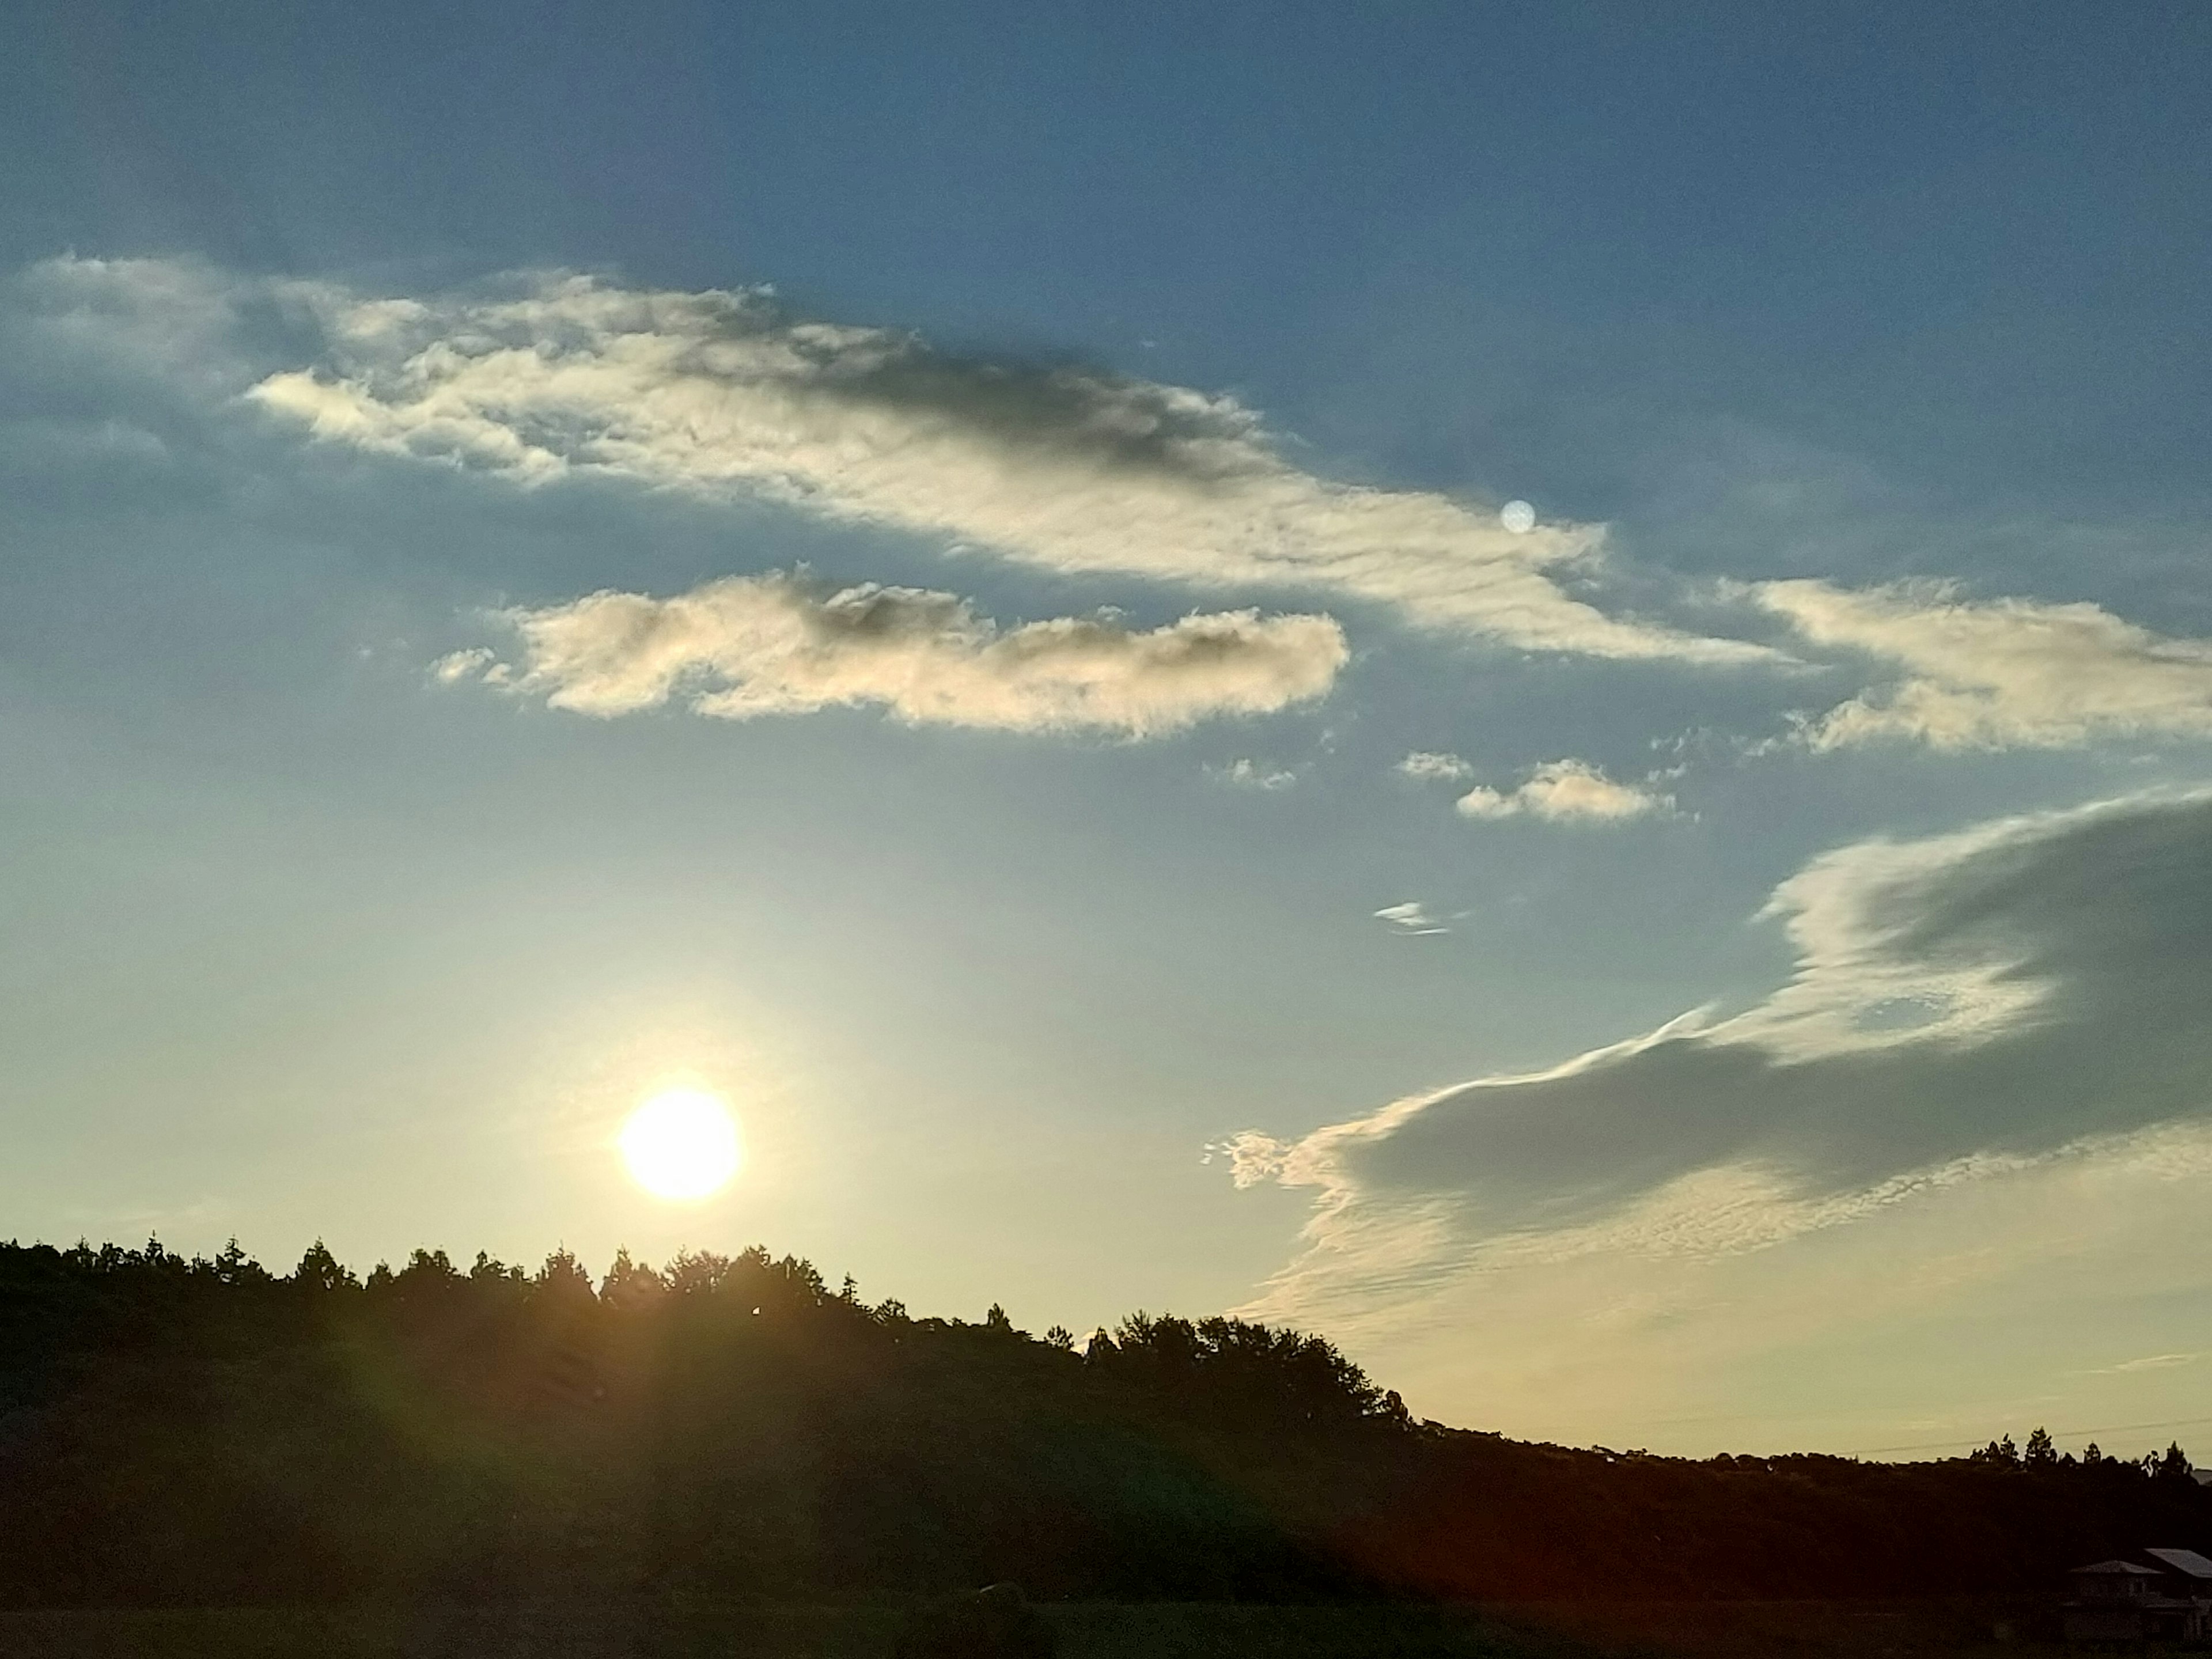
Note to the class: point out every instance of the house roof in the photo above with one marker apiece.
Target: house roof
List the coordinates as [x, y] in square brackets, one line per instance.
[2187, 1562]
[2116, 1568]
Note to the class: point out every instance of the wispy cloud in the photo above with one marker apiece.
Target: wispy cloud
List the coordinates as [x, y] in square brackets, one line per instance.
[1565, 792]
[1246, 773]
[1067, 468]
[1410, 920]
[779, 644]
[2156, 1362]
[2008, 673]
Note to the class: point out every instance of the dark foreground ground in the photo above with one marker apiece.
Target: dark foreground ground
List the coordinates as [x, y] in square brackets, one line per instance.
[698, 1629]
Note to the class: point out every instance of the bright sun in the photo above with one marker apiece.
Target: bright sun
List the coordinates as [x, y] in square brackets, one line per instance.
[682, 1144]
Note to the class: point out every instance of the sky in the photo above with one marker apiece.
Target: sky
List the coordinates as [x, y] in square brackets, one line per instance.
[1530, 685]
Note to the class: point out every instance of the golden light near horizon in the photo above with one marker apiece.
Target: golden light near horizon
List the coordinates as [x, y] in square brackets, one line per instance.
[682, 1144]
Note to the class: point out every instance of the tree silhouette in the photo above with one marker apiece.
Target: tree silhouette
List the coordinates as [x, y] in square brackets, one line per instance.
[191, 1430]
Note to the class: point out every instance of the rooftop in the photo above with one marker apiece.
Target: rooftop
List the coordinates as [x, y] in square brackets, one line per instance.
[2187, 1562]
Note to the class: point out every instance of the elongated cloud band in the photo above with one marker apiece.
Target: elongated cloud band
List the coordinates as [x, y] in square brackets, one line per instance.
[1067, 469]
[2005, 673]
[746, 646]
[1961, 1005]
[1063, 468]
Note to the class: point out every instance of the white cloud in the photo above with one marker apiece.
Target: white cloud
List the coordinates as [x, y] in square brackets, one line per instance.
[1253, 1158]
[2155, 1362]
[1065, 468]
[1410, 920]
[1563, 792]
[474, 663]
[1426, 768]
[178, 319]
[1966, 1010]
[1249, 773]
[777, 644]
[1992, 675]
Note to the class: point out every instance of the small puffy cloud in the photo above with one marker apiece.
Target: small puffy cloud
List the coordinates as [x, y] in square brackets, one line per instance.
[779, 644]
[1565, 792]
[1253, 1158]
[1423, 766]
[2005, 673]
[1247, 773]
[1410, 920]
[458, 666]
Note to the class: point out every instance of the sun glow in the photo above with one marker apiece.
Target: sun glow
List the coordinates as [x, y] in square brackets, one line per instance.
[682, 1144]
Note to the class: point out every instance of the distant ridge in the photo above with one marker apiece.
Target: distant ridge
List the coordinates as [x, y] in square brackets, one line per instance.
[202, 1431]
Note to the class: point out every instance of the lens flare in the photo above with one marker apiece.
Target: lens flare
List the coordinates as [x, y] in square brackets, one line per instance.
[682, 1144]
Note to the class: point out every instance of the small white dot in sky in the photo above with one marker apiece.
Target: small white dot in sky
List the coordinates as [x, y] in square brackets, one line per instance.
[1518, 516]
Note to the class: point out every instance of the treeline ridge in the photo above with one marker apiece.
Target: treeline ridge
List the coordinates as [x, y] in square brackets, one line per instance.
[201, 1430]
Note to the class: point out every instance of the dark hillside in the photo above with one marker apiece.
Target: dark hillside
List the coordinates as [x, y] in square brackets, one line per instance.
[199, 1432]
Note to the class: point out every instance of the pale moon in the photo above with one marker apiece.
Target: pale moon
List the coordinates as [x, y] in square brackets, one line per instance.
[1518, 516]
[682, 1144]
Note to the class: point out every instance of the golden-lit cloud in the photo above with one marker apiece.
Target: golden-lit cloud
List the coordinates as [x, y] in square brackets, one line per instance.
[2001, 674]
[1563, 792]
[746, 646]
[1075, 470]
[1068, 468]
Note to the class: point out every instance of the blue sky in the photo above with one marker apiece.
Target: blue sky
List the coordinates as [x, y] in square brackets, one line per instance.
[938, 571]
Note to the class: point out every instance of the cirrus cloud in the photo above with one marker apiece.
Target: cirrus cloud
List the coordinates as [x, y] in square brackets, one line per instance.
[1408, 920]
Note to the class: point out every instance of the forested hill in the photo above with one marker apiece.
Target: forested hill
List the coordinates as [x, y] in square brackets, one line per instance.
[176, 1431]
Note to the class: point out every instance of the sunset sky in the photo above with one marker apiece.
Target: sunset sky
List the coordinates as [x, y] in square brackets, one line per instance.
[952, 576]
